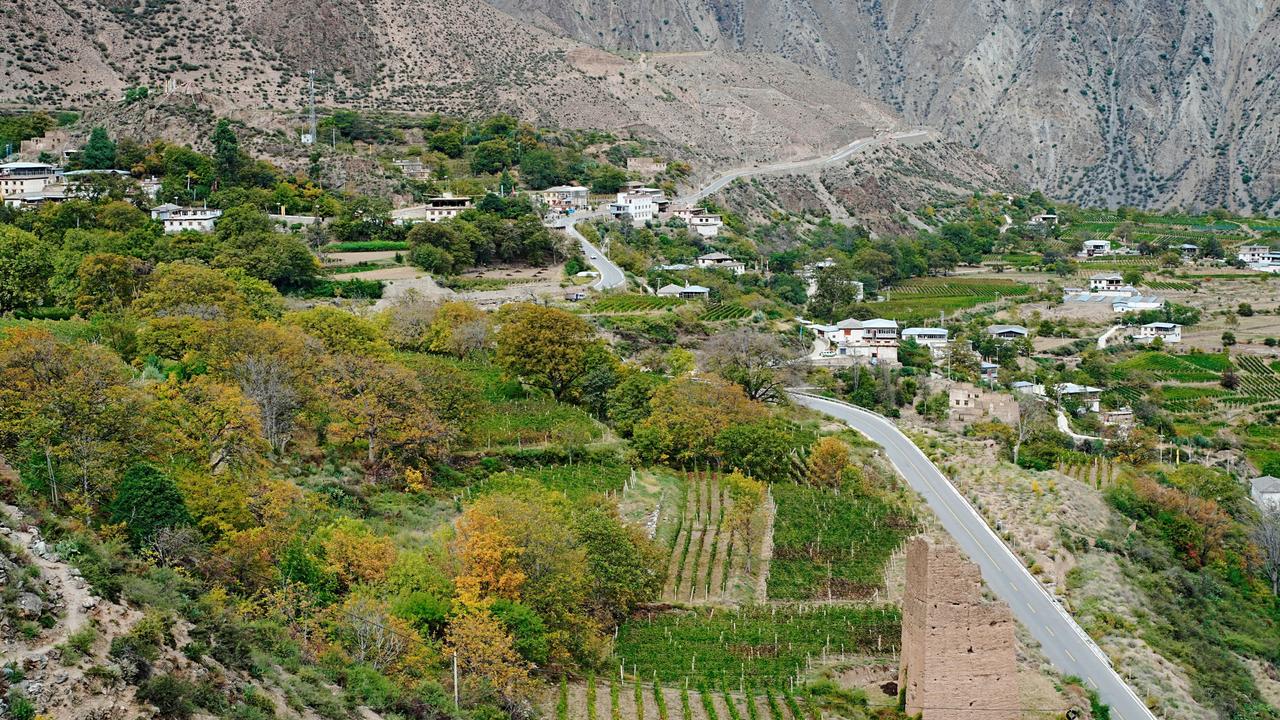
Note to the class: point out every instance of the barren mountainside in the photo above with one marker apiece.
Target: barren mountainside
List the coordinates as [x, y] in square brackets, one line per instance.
[1151, 102]
[250, 58]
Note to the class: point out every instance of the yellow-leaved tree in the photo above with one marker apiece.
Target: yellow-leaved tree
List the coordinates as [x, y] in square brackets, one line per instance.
[828, 461]
[487, 659]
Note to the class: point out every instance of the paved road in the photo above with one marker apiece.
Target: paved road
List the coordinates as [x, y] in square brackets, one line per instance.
[1061, 639]
[720, 181]
[611, 276]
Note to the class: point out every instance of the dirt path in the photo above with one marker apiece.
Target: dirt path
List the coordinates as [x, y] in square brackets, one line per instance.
[702, 571]
[677, 549]
[76, 599]
[766, 550]
[724, 549]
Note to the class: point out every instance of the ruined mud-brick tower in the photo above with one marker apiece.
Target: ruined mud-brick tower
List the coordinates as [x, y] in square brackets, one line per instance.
[957, 648]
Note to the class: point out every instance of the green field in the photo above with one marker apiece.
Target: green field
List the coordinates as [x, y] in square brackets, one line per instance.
[726, 311]
[947, 287]
[763, 644]
[633, 303]
[832, 546]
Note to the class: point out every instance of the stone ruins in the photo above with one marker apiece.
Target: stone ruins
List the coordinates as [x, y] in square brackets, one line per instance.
[958, 658]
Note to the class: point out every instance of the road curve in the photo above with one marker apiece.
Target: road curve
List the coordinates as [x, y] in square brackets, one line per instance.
[721, 181]
[1063, 642]
[611, 276]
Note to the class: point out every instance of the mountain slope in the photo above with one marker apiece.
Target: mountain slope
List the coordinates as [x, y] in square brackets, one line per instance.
[1157, 103]
[249, 59]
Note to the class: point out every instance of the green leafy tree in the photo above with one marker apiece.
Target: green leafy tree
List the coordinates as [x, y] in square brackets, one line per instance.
[761, 449]
[108, 282]
[226, 151]
[544, 347]
[25, 269]
[148, 501]
[99, 153]
[607, 179]
[490, 156]
[539, 169]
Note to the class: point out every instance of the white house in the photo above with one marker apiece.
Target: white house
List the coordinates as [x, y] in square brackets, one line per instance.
[24, 177]
[721, 261]
[875, 340]
[706, 225]
[1253, 253]
[1265, 492]
[177, 218]
[1044, 219]
[1089, 397]
[638, 208]
[1168, 332]
[434, 210]
[688, 292]
[1007, 332]
[1092, 248]
[1106, 282]
[565, 197]
[933, 338]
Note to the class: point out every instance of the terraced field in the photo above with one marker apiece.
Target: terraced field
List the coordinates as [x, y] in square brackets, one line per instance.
[633, 303]
[610, 699]
[937, 287]
[726, 311]
[706, 559]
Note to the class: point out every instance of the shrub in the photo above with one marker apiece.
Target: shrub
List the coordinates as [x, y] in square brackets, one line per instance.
[171, 695]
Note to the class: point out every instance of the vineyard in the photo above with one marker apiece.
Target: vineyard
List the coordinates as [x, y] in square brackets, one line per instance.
[649, 699]
[960, 288]
[726, 311]
[1169, 367]
[706, 559]
[764, 645]
[634, 303]
[1168, 285]
[832, 544]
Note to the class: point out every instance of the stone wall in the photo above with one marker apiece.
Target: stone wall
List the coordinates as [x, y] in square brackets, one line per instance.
[958, 660]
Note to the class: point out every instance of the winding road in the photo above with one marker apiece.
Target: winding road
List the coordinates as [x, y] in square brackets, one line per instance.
[721, 181]
[611, 276]
[1063, 642]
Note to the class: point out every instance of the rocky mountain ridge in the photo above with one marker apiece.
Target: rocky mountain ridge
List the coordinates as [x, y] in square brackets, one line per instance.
[1154, 103]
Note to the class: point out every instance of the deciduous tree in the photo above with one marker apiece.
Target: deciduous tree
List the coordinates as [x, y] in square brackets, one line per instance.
[542, 346]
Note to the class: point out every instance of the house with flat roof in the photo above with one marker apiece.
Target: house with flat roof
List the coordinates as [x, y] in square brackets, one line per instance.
[635, 208]
[24, 177]
[721, 261]
[1103, 282]
[1093, 248]
[433, 210]
[968, 403]
[1167, 332]
[1253, 253]
[176, 218]
[1044, 219]
[565, 197]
